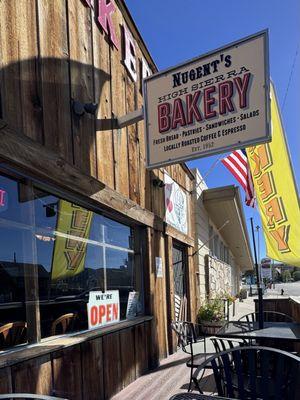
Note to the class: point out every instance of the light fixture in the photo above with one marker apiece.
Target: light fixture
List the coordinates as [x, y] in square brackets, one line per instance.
[81, 108]
[51, 209]
[158, 183]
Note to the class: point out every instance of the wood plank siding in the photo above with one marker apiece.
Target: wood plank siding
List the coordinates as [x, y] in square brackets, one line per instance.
[54, 53]
[94, 369]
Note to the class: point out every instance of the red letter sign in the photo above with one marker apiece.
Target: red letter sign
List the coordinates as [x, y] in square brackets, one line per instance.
[104, 17]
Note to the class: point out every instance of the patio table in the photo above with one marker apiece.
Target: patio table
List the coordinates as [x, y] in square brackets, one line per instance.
[196, 396]
[250, 330]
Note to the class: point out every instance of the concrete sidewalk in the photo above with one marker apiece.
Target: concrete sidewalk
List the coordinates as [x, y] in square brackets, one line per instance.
[244, 307]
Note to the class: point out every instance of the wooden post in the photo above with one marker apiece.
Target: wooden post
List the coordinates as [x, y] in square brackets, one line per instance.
[139, 261]
[172, 344]
[31, 270]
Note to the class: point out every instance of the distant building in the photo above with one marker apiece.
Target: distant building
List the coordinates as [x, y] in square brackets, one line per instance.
[222, 248]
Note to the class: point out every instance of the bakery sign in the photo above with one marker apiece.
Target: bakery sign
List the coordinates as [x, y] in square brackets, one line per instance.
[212, 104]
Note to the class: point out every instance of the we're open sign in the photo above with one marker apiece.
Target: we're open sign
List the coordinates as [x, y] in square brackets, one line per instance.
[103, 308]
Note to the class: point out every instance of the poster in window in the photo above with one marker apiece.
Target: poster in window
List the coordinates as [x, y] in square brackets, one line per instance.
[132, 305]
[159, 267]
[175, 205]
[72, 232]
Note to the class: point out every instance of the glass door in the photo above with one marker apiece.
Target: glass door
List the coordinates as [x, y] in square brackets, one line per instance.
[179, 274]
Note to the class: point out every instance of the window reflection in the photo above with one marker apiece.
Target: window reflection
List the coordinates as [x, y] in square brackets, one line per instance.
[117, 234]
[80, 251]
[75, 251]
[15, 235]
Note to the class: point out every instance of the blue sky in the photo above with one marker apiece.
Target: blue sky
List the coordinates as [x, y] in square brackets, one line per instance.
[177, 30]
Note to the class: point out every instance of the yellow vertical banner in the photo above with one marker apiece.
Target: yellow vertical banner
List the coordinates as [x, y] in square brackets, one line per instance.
[276, 193]
[72, 232]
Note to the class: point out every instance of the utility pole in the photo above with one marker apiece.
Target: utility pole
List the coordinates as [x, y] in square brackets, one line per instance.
[258, 251]
[259, 289]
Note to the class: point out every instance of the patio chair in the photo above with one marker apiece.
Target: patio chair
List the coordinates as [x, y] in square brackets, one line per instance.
[269, 316]
[253, 372]
[13, 333]
[188, 341]
[223, 344]
[12, 396]
[65, 323]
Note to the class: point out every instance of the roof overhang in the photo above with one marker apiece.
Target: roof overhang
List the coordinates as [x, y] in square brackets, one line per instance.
[224, 204]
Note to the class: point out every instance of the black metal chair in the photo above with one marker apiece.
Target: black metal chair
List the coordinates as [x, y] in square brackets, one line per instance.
[187, 341]
[269, 316]
[223, 344]
[11, 396]
[253, 372]
[194, 396]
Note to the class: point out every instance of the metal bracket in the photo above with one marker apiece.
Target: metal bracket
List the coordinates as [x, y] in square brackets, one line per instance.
[130, 118]
[121, 122]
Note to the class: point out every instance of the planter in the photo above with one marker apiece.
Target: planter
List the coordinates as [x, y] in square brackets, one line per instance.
[210, 327]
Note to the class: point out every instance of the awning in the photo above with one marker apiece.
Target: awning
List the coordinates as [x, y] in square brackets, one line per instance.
[224, 204]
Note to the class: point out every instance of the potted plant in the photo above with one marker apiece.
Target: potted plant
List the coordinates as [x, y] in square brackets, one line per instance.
[211, 316]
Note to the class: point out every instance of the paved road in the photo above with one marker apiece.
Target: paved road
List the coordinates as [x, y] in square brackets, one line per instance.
[290, 289]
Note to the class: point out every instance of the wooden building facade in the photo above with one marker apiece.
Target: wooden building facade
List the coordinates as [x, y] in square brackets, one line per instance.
[57, 56]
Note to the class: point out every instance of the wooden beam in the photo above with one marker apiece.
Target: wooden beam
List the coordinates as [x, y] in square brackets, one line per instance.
[31, 271]
[46, 165]
[181, 237]
[65, 341]
[131, 118]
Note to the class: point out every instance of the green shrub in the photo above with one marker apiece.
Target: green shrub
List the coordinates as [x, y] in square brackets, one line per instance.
[231, 299]
[212, 310]
[296, 276]
[286, 276]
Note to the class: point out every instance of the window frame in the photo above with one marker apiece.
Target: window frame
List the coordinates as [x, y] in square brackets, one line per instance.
[31, 278]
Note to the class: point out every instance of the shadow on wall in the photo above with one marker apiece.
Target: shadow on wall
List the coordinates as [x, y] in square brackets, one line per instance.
[36, 99]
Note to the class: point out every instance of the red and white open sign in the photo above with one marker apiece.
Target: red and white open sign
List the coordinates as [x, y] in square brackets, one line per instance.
[103, 308]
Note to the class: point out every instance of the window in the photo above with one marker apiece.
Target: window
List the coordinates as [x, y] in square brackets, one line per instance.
[216, 246]
[226, 255]
[221, 251]
[69, 249]
[211, 240]
[15, 234]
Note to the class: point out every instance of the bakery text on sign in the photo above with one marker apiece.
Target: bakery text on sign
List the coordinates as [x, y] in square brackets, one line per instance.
[104, 10]
[202, 103]
[103, 308]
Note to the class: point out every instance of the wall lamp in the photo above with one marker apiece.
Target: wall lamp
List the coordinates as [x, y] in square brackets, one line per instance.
[81, 108]
[51, 209]
[158, 183]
